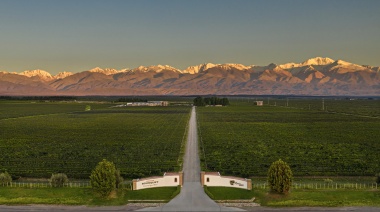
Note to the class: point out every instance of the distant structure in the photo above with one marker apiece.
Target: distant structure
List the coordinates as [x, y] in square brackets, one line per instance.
[259, 103]
[149, 103]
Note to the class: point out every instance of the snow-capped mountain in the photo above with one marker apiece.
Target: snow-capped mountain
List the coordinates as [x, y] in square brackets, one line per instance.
[318, 61]
[315, 76]
[199, 68]
[157, 69]
[107, 71]
[62, 75]
[43, 75]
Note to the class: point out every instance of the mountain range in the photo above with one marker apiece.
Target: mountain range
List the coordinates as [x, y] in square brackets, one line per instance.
[315, 76]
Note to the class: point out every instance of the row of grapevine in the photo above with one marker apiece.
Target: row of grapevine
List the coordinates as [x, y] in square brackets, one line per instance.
[141, 141]
[245, 140]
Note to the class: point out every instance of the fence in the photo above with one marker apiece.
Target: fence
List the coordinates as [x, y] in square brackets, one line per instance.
[334, 186]
[46, 185]
[125, 184]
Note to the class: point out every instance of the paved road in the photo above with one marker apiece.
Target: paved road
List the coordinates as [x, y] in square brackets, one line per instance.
[192, 196]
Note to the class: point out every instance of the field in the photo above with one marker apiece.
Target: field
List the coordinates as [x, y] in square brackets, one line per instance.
[38, 139]
[343, 141]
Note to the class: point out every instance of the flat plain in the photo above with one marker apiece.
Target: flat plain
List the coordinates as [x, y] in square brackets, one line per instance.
[41, 138]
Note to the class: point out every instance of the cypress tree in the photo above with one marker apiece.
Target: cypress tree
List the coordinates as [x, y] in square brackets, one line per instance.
[103, 178]
[280, 177]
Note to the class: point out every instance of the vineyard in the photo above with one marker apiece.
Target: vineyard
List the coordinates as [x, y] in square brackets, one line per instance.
[243, 139]
[16, 109]
[141, 141]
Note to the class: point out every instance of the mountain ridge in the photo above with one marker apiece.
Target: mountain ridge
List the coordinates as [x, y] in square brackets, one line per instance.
[315, 76]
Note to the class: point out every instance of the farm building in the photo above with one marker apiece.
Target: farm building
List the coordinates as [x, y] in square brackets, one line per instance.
[149, 103]
[259, 103]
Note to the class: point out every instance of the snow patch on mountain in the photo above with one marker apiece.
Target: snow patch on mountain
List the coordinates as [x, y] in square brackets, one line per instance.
[38, 73]
[318, 61]
[342, 66]
[157, 69]
[289, 65]
[62, 75]
[199, 68]
[107, 71]
[228, 66]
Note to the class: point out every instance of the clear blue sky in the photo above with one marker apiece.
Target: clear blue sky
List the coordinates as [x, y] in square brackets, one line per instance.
[76, 35]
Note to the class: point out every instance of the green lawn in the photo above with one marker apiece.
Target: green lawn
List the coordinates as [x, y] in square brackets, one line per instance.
[300, 198]
[337, 198]
[80, 196]
[225, 193]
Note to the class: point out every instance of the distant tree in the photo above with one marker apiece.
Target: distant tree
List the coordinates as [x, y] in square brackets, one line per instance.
[5, 178]
[119, 178]
[225, 102]
[280, 177]
[199, 101]
[103, 178]
[58, 180]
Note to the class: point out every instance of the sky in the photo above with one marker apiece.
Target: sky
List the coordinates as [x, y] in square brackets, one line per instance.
[77, 35]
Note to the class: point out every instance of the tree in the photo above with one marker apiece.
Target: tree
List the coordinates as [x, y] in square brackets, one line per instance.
[103, 178]
[119, 178]
[5, 178]
[378, 178]
[199, 101]
[58, 180]
[280, 177]
[225, 102]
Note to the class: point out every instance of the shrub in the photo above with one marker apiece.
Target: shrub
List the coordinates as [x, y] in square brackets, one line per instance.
[103, 178]
[5, 178]
[58, 180]
[280, 177]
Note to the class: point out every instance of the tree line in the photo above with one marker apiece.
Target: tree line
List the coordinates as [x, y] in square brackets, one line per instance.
[200, 101]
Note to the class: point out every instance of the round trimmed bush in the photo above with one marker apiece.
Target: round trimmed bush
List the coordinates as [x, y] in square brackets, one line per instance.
[5, 178]
[58, 180]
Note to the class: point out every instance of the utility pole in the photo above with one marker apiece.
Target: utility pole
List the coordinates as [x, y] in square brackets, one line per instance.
[268, 100]
[287, 102]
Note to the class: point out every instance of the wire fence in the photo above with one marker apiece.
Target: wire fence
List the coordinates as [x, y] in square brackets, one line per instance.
[125, 184]
[326, 186]
[331, 186]
[46, 185]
